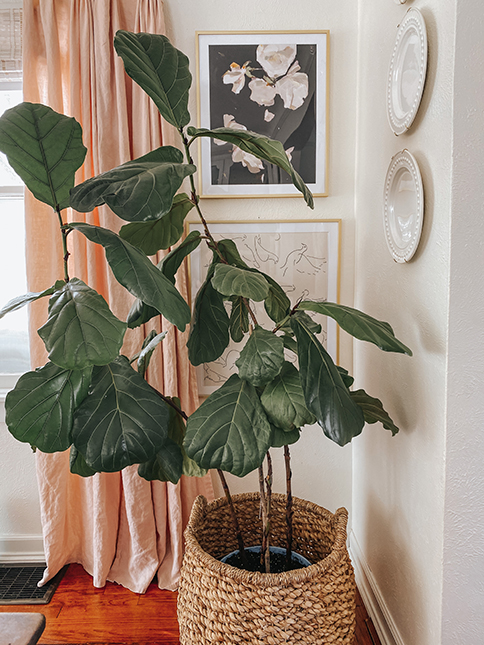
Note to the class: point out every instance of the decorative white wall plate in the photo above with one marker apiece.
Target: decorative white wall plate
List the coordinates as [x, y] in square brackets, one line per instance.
[408, 68]
[403, 206]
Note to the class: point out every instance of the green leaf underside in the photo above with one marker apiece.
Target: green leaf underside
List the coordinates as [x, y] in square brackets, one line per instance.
[78, 465]
[81, 330]
[160, 70]
[20, 301]
[373, 410]
[348, 380]
[232, 281]
[139, 275]
[230, 430]
[40, 409]
[209, 331]
[325, 394]
[122, 421]
[281, 438]
[262, 358]
[172, 262]
[165, 466]
[239, 319]
[283, 401]
[260, 146]
[359, 325]
[147, 352]
[137, 191]
[152, 236]
[43, 147]
[140, 313]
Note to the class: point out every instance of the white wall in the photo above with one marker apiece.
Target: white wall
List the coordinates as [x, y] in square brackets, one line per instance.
[322, 470]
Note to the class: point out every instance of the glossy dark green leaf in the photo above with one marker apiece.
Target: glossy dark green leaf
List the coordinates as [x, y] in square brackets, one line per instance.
[262, 147]
[281, 438]
[283, 400]
[289, 343]
[326, 396]
[162, 233]
[78, 465]
[373, 410]
[146, 353]
[239, 319]
[262, 357]
[165, 466]
[43, 147]
[122, 421]
[209, 331]
[40, 409]
[230, 430]
[160, 70]
[139, 275]
[137, 191]
[140, 313]
[359, 325]
[81, 330]
[232, 281]
[20, 301]
[348, 380]
[171, 262]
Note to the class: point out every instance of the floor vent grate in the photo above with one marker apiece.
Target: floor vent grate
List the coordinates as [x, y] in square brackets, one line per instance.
[18, 584]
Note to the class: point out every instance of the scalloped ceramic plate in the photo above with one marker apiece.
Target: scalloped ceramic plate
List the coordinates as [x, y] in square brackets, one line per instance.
[408, 69]
[403, 206]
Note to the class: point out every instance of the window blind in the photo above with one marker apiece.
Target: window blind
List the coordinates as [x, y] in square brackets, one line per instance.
[10, 44]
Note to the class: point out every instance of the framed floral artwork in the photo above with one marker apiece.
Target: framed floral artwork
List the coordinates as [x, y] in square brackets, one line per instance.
[303, 256]
[274, 84]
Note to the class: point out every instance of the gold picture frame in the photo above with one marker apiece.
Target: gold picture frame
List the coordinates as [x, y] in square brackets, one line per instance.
[275, 83]
[302, 255]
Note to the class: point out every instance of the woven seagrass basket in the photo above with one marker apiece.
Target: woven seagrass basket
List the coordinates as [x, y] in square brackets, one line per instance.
[218, 603]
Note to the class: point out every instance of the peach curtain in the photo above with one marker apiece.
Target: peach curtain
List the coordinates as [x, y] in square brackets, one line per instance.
[118, 526]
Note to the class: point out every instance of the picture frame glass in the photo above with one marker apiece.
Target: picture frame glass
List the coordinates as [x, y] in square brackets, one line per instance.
[302, 256]
[271, 83]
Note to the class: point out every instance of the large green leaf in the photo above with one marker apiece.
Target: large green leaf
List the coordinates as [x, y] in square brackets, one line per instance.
[171, 262]
[160, 69]
[359, 325]
[262, 358]
[232, 281]
[78, 465]
[40, 409]
[122, 421]
[152, 236]
[230, 430]
[326, 396]
[137, 191]
[165, 466]
[373, 410]
[20, 301]
[283, 400]
[81, 330]
[138, 274]
[281, 438]
[239, 319]
[140, 313]
[262, 147]
[209, 331]
[45, 148]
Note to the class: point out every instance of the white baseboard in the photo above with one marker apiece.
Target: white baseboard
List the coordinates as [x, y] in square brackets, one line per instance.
[373, 598]
[21, 548]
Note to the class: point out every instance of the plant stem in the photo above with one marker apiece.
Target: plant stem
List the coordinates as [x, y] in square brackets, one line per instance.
[289, 506]
[64, 233]
[269, 509]
[263, 508]
[235, 521]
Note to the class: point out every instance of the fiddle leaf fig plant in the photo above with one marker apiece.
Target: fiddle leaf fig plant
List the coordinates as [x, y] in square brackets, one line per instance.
[95, 401]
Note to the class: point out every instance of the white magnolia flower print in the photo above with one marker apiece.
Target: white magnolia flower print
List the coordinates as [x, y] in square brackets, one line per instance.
[252, 163]
[236, 76]
[293, 88]
[262, 92]
[275, 59]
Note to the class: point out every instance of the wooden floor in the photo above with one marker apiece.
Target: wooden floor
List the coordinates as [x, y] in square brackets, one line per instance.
[80, 614]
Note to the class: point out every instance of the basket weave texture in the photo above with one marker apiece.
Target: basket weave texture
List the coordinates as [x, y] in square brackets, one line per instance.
[218, 603]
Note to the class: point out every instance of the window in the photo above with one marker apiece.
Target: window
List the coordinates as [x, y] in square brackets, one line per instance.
[14, 352]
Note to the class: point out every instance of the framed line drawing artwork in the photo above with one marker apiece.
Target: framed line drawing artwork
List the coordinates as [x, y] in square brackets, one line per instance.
[303, 256]
[272, 83]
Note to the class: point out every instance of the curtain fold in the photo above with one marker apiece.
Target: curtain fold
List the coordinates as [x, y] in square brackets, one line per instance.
[117, 525]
